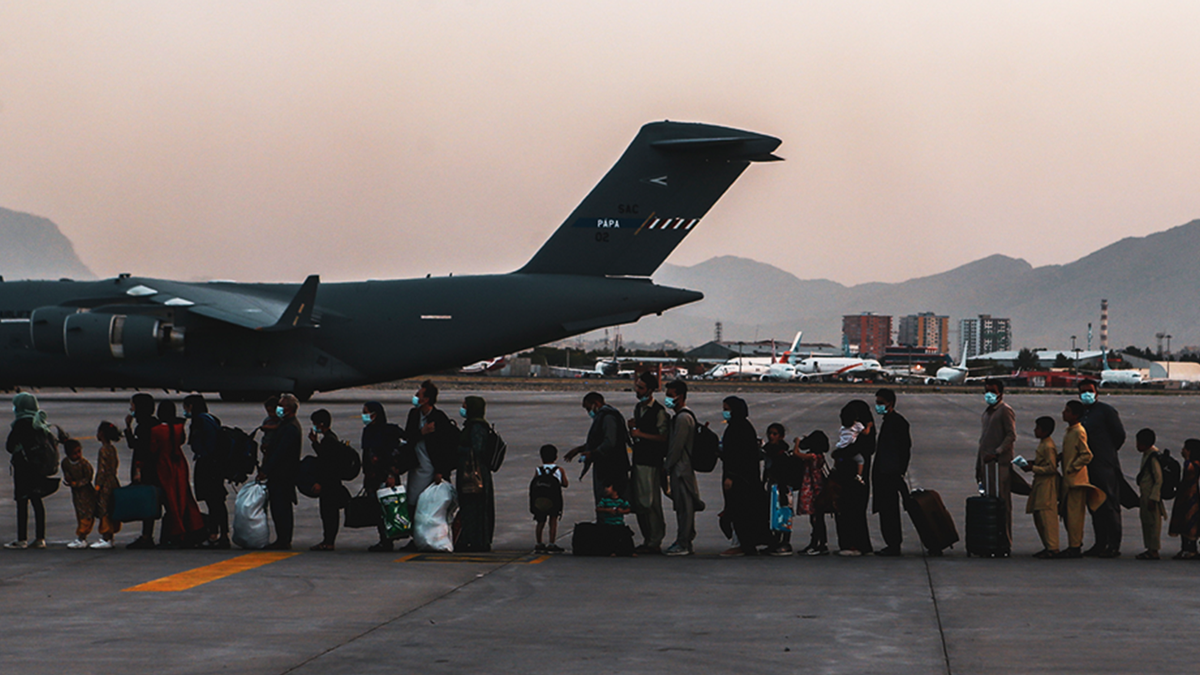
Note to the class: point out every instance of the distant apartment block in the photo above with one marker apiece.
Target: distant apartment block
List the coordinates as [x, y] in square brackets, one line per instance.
[867, 333]
[986, 334]
[925, 330]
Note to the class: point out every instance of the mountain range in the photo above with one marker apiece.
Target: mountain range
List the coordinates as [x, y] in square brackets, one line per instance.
[34, 248]
[1150, 283]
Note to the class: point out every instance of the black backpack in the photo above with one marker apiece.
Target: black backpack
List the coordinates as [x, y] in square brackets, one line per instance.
[496, 449]
[545, 493]
[707, 447]
[42, 458]
[348, 462]
[1172, 474]
[238, 454]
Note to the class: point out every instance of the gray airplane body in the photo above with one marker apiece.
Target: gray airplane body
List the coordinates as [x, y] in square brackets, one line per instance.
[246, 339]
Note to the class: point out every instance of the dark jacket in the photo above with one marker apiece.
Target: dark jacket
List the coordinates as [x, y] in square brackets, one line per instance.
[283, 459]
[1105, 435]
[441, 445]
[740, 456]
[893, 446]
[27, 481]
[329, 452]
[607, 445]
[138, 441]
[653, 420]
[380, 442]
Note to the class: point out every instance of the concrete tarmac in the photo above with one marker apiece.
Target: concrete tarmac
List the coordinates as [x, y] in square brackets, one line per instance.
[356, 612]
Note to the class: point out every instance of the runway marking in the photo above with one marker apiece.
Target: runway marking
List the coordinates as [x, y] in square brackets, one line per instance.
[495, 558]
[202, 575]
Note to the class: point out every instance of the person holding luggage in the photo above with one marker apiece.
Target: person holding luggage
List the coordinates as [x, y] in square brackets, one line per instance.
[380, 462]
[1043, 494]
[208, 473]
[1079, 494]
[997, 437]
[142, 469]
[854, 537]
[779, 472]
[107, 464]
[648, 431]
[1105, 435]
[1150, 506]
[811, 497]
[1185, 511]
[29, 430]
[332, 496]
[892, 452]
[279, 470]
[684, 491]
[473, 479]
[432, 437]
[545, 497]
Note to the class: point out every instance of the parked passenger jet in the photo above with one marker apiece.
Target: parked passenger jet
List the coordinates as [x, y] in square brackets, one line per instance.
[246, 339]
[791, 367]
[1120, 378]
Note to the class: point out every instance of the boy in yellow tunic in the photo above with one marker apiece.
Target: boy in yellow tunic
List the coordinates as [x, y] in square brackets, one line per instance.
[1150, 506]
[1043, 495]
[1078, 494]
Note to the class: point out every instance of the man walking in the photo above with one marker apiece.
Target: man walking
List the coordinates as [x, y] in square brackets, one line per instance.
[1105, 436]
[996, 441]
[685, 493]
[893, 449]
[648, 429]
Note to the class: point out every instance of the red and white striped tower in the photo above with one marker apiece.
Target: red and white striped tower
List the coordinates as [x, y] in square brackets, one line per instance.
[1104, 326]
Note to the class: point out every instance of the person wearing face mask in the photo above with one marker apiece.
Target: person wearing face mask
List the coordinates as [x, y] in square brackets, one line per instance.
[142, 470]
[279, 470]
[182, 522]
[432, 437]
[685, 492]
[473, 479]
[380, 460]
[648, 430]
[207, 478]
[893, 448]
[332, 496]
[606, 450]
[746, 504]
[1105, 436]
[996, 441]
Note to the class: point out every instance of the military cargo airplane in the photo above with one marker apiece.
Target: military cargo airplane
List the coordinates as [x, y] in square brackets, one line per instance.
[248, 339]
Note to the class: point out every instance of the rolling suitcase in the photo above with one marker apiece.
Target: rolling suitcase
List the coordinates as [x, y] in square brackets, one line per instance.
[931, 519]
[986, 527]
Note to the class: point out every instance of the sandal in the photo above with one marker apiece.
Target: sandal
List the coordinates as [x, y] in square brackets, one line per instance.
[1184, 555]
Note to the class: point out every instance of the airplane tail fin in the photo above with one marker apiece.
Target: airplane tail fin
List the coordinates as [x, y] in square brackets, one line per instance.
[792, 352]
[657, 192]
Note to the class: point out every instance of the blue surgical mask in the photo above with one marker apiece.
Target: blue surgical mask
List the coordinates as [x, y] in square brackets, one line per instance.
[315, 430]
[726, 415]
[280, 412]
[366, 418]
[669, 402]
[880, 409]
[416, 401]
[990, 398]
[1088, 397]
[187, 415]
[592, 414]
[463, 412]
[645, 399]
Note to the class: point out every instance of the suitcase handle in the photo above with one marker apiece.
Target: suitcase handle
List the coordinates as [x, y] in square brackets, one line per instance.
[991, 470]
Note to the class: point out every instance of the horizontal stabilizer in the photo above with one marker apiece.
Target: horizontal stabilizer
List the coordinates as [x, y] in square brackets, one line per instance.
[657, 192]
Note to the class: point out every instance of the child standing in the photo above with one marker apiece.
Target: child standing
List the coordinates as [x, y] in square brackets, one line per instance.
[546, 499]
[1185, 512]
[777, 466]
[1043, 495]
[77, 474]
[106, 481]
[1150, 506]
[811, 497]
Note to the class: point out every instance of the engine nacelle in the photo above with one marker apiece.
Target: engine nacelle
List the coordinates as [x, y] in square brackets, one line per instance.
[100, 336]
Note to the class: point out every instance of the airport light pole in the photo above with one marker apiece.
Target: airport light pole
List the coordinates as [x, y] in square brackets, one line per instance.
[1168, 356]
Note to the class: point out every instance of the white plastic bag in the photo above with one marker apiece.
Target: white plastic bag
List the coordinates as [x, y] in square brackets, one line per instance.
[250, 529]
[431, 523]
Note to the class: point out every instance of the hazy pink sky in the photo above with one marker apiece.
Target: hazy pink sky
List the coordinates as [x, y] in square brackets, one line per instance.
[270, 140]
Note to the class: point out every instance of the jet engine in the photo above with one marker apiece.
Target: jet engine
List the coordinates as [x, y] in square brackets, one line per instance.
[100, 336]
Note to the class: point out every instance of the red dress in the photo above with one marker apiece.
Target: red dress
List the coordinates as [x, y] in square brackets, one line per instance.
[182, 516]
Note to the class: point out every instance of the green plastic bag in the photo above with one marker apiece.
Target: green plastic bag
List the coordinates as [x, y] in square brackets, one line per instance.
[394, 503]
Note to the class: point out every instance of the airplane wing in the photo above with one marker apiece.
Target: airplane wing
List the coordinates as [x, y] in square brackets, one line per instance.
[247, 307]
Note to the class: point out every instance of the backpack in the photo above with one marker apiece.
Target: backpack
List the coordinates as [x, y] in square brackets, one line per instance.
[348, 462]
[545, 493]
[1172, 474]
[497, 448]
[237, 452]
[707, 448]
[42, 458]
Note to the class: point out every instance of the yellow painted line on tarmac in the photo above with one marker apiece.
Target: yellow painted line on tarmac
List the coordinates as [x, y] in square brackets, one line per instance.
[497, 558]
[202, 575]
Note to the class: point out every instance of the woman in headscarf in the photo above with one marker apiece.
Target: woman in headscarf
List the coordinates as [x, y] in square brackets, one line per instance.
[746, 504]
[380, 444]
[473, 479]
[29, 432]
[183, 524]
[1185, 512]
[853, 536]
[142, 470]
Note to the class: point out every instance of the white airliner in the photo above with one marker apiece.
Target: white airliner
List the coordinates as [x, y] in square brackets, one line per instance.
[1120, 378]
[954, 374]
[791, 368]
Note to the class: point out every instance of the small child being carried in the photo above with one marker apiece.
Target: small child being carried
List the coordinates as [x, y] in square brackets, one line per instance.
[848, 434]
